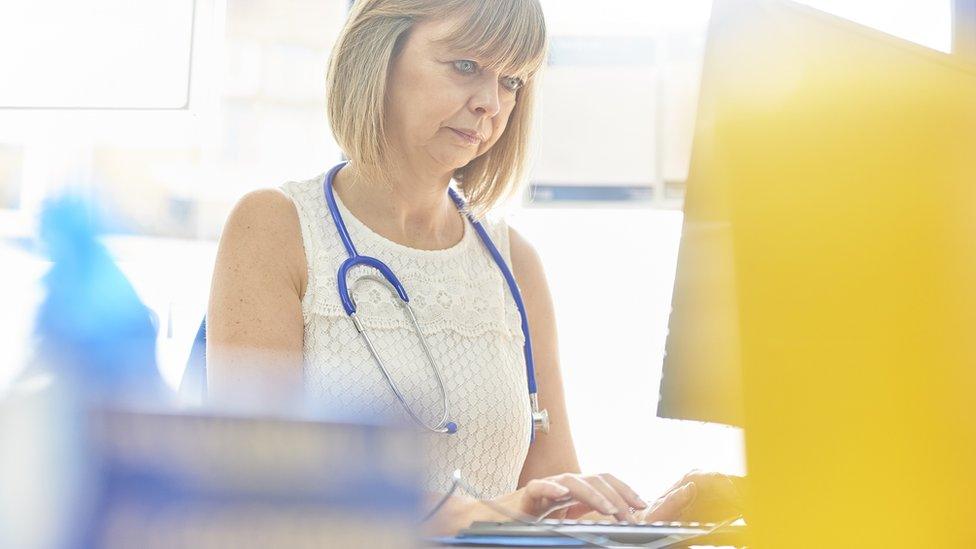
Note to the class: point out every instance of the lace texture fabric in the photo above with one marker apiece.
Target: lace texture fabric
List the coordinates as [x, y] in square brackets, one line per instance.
[471, 324]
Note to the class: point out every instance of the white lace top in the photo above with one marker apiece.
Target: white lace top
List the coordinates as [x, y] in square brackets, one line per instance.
[472, 326]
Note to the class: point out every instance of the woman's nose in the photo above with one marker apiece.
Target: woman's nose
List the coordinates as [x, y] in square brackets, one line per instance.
[486, 100]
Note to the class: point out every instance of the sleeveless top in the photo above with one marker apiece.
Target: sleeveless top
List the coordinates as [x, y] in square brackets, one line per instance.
[471, 324]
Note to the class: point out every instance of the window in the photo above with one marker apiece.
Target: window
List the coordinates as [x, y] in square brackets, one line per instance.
[618, 101]
[167, 141]
[925, 22]
[96, 54]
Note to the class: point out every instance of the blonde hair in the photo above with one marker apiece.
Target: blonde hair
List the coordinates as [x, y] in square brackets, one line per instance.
[508, 35]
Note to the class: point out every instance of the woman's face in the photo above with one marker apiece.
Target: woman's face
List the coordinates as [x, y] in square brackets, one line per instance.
[444, 108]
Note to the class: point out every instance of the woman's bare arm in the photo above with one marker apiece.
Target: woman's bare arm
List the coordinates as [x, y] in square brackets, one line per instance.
[254, 319]
[551, 453]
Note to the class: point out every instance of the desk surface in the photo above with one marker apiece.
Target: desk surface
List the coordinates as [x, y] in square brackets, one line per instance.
[554, 533]
[442, 546]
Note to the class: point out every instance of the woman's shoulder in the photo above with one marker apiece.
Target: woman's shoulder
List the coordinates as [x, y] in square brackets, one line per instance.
[264, 227]
[270, 212]
[526, 262]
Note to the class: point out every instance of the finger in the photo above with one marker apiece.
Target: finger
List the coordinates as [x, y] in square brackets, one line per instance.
[732, 490]
[540, 489]
[578, 510]
[583, 492]
[690, 476]
[739, 490]
[738, 485]
[626, 491]
[717, 488]
[717, 500]
[543, 496]
[608, 491]
[713, 482]
[713, 487]
[557, 509]
[671, 506]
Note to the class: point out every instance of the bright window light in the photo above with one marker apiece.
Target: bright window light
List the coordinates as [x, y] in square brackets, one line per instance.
[925, 22]
[95, 54]
[622, 17]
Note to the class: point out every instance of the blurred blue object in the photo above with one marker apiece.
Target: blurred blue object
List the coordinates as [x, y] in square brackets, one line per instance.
[94, 458]
[92, 330]
[221, 480]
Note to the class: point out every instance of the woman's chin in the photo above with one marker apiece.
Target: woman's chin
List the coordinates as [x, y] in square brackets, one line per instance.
[456, 162]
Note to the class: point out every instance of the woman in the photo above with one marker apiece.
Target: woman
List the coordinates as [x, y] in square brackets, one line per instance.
[420, 92]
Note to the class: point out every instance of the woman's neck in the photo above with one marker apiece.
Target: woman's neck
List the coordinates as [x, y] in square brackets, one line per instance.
[414, 209]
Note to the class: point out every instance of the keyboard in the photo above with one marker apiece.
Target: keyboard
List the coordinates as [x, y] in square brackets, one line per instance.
[617, 532]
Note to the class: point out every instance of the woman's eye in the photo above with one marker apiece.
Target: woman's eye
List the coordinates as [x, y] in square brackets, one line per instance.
[512, 83]
[466, 66]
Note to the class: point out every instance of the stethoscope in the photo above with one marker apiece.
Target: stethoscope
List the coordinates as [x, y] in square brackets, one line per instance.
[539, 419]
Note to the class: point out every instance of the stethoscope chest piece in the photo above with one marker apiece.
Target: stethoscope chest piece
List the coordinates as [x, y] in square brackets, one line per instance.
[540, 418]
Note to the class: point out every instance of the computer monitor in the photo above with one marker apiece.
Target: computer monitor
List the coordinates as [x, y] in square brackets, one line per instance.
[828, 264]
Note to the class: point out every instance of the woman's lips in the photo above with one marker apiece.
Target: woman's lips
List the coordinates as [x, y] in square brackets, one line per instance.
[467, 138]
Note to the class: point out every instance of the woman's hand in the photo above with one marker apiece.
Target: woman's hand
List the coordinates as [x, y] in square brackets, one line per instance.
[572, 495]
[709, 497]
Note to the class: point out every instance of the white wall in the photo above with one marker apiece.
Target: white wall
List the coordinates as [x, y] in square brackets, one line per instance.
[611, 272]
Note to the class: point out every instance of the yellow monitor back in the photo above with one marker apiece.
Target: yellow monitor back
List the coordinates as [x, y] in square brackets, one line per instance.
[833, 199]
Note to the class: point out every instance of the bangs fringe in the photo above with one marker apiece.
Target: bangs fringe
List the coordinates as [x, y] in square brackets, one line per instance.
[507, 35]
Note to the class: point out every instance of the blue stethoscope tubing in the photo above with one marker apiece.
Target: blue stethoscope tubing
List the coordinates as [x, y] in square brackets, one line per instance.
[539, 418]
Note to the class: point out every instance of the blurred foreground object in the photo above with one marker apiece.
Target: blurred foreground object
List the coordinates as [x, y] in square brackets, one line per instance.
[224, 481]
[94, 343]
[92, 331]
[828, 267]
[164, 479]
[95, 454]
